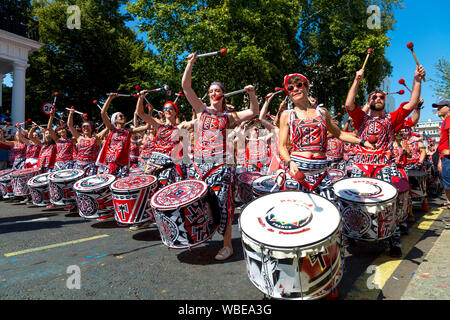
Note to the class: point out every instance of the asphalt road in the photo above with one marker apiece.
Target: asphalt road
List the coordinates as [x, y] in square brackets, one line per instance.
[41, 251]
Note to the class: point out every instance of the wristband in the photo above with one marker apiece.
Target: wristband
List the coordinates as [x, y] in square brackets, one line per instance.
[361, 143]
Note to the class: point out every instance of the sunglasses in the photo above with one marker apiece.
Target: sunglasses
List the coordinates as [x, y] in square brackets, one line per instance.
[86, 126]
[375, 96]
[120, 116]
[298, 85]
[168, 108]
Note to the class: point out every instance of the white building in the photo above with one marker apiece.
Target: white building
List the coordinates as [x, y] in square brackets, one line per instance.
[429, 129]
[14, 50]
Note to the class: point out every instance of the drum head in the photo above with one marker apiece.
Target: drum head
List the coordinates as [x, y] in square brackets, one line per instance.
[39, 180]
[24, 171]
[94, 183]
[364, 190]
[179, 194]
[248, 177]
[265, 184]
[336, 174]
[290, 219]
[133, 183]
[401, 184]
[66, 175]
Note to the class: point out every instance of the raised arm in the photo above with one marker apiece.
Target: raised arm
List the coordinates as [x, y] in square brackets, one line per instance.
[75, 133]
[50, 125]
[419, 74]
[30, 135]
[351, 96]
[263, 113]
[186, 83]
[254, 106]
[104, 111]
[148, 118]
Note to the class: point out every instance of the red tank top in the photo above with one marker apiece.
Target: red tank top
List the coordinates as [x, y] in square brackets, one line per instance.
[335, 148]
[47, 156]
[86, 149]
[210, 140]
[308, 134]
[64, 150]
[165, 139]
[19, 150]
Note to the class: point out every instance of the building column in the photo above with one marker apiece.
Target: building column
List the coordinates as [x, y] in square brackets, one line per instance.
[18, 93]
[2, 76]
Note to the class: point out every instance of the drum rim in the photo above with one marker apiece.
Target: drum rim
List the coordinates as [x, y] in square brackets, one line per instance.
[19, 172]
[111, 186]
[32, 184]
[246, 172]
[272, 175]
[65, 180]
[180, 205]
[362, 202]
[80, 189]
[305, 246]
[8, 171]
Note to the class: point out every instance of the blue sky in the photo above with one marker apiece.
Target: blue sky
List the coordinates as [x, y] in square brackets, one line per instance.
[425, 24]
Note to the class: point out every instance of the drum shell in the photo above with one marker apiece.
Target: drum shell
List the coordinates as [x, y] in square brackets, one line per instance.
[245, 192]
[20, 181]
[263, 185]
[95, 203]
[39, 192]
[61, 191]
[6, 186]
[417, 180]
[302, 273]
[188, 225]
[131, 207]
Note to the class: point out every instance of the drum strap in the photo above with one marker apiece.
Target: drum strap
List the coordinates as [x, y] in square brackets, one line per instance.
[369, 170]
[316, 184]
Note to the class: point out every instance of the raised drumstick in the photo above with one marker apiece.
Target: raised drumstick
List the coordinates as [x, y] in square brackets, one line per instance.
[83, 115]
[402, 82]
[369, 51]
[232, 93]
[410, 46]
[222, 52]
[277, 90]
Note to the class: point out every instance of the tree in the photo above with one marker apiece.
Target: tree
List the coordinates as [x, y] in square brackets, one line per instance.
[325, 40]
[442, 88]
[84, 64]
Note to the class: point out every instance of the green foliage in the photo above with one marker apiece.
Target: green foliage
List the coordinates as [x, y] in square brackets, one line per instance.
[442, 84]
[84, 64]
[324, 40]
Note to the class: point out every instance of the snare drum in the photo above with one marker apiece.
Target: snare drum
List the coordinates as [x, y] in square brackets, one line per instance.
[186, 213]
[244, 185]
[368, 207]
[6, 185]
[402, 199]
[417, 180]
[20, 179]
[38, 187]
[292, 245]
[264, 185]
[130, 196]
[61, 186]
[336, 174]
[93, 196]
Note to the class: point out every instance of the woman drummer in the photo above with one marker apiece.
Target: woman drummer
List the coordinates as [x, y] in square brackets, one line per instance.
[114, 158]
[33, 142]
[64, 145]
[18, 151]
[303, 131]
[86, 146]
[210, 150]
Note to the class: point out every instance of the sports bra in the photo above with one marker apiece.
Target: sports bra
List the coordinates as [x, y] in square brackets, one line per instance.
[308, 134]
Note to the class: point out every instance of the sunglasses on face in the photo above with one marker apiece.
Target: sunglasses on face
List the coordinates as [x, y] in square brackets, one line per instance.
[168, 108]
[120, 116]
[375, 96]
[86, 127]
[298, 85]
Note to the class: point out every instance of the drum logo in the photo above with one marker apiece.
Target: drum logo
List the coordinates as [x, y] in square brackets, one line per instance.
[355, 221]
[289, 217]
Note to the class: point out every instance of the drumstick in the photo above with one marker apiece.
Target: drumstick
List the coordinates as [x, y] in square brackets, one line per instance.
[400, 92]
[369, 51]
[410, 46]
[83, 115]
[96, 103]
[277, 91]
[121, 94]
[402, 82]
[179, 94]
[222, 52]
[220, 96]
[54, 99]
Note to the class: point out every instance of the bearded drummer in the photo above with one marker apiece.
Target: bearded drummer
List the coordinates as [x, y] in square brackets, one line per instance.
[210, 146]
[303, 140]
[378, 127]
[114, 157]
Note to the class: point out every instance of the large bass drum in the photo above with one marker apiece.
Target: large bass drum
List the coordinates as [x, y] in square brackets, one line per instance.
[292, 245]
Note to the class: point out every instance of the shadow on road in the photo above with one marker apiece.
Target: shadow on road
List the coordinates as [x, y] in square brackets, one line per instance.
[204, 255]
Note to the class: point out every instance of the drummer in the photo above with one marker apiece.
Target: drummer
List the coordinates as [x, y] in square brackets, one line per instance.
[18, 151]
[303, 140]
[210, 146]
[64, 144]
[87, 145]
[379, 127]
[47, 154]
[114, 157]
[33, 142]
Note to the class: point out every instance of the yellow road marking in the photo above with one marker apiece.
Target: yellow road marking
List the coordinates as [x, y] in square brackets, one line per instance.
[387, 265]
[55, 245]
